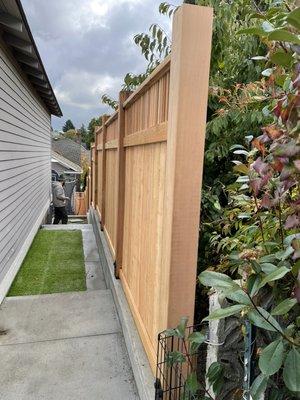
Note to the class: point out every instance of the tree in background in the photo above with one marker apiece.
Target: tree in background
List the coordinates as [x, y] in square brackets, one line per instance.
[68, 125]
[84, 136]
[81, 135]
[72, 134]
[90, 135]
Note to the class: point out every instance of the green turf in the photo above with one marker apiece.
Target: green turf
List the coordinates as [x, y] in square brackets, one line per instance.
[53, 264]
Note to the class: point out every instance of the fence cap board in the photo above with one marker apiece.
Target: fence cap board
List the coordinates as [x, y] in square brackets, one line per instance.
[112, 118]
[98, 129]
[159, 71]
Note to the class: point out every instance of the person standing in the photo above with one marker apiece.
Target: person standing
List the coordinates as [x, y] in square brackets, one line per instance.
[59, 201]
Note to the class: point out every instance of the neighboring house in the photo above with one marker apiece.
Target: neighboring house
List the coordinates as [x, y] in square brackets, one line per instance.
[77, 155]
[26, 104]
[70, 149]
[62, 166]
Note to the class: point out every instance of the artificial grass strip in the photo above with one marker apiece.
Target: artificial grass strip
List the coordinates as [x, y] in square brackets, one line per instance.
[53, 264]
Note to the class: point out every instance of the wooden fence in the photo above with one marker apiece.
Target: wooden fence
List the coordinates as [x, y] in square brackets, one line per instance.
[81, 203]
[146, 177]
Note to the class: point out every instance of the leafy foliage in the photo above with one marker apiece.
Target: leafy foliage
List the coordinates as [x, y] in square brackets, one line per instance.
[89, 134]
[106, 99]
[259, 238]
[193, 387]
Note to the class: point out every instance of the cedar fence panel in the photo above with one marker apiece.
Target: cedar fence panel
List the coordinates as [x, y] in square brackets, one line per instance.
[146, 175]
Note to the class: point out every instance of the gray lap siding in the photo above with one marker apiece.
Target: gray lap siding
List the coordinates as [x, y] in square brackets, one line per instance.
[25, 154]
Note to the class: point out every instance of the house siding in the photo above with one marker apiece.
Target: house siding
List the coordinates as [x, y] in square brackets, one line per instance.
[25, 168]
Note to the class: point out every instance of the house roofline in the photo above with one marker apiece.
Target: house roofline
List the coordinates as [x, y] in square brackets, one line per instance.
[17, 35]
[67, 163]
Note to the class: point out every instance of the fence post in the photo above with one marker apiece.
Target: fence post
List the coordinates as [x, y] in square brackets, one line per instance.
[189, 77]
[89, 186]
[102, 206]
[96, 173]
[123, 95]
[93, 175]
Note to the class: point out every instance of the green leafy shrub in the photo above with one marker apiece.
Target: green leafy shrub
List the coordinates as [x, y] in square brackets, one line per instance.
[259, 239]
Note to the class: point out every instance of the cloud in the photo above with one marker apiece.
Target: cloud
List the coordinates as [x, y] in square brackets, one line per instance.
[87, 48]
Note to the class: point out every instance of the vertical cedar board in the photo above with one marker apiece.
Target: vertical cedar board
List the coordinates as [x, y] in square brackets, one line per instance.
[189, 78]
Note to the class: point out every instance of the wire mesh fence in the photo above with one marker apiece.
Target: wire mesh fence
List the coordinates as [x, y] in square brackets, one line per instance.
[176, 360]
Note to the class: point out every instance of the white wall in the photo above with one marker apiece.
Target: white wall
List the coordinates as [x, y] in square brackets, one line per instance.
[25, 168]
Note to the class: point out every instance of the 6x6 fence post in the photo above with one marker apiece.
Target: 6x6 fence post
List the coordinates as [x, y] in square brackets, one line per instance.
[120, 182]
[96, 172]
[103, 171]
[189, 77]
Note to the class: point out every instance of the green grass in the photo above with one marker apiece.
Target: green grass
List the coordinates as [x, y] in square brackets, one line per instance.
[53, 264]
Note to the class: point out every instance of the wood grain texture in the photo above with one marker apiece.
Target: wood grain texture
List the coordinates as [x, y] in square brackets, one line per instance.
[110, 245]
[191, 48]
[111, 118]
[153, 180]
[120, 182]
[152, 78]
[143, 228]
[151, 107]
[93, 156]
[112, 144]
[112, 128]
[155, 134]
[111, 196]
[98, 165]
[103, 168]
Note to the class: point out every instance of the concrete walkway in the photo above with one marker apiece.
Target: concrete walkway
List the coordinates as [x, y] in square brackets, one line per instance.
[65, 346]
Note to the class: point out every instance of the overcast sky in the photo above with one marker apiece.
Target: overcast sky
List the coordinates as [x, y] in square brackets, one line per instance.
[87, 48]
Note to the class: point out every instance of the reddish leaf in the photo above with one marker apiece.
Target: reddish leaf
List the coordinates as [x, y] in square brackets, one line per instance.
[266, 201]
[292, 221]
[278, 165]
[296, 82]
[266, 179]
[287, 150]
[273, 132]
[288, 183]
[278, 108]
[260, 167]
[286, 172]
[255, 185]
[285, 115]
[259, 145]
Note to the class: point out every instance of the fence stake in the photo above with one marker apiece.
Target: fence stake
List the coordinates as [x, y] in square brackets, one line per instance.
[189, 76]
[120, 182]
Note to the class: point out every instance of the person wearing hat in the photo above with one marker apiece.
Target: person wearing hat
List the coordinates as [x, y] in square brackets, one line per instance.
[59, 201]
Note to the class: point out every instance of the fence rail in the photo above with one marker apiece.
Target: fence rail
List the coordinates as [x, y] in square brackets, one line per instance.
[145, 181]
